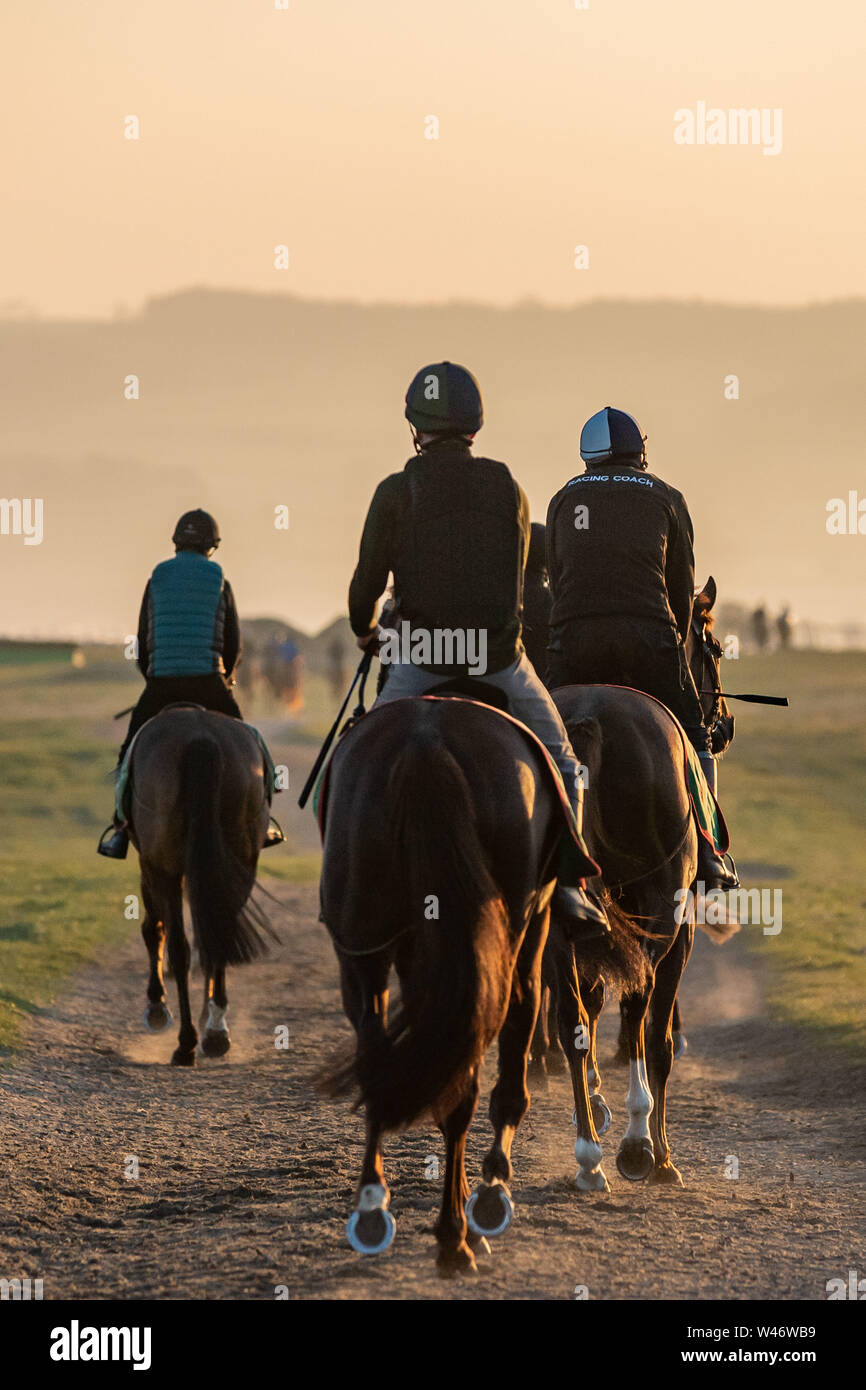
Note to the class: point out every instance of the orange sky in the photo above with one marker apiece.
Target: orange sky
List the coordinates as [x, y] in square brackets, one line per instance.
[306, 127]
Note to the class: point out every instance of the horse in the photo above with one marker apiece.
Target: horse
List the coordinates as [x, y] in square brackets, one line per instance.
[703, 653]
[441, 827]
[646, 844]
[198, 816]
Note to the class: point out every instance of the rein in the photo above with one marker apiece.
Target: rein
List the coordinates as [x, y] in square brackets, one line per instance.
[627, 882]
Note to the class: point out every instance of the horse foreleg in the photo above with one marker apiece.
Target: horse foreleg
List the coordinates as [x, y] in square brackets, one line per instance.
[592, 996]
[215, 1039]
[540, 1050]
[179, 955]
[635, 1158]
[575, 1036]
[455, 1255]
[660, 1046]
[681, 1042]
[157, 1015]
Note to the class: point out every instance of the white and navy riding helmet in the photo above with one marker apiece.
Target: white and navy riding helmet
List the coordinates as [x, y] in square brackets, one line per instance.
[612, 434]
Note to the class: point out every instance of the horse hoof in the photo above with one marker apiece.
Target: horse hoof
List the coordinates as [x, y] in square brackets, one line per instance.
[490, 1210]
[479, 1245]
[214, 1044]
[180, 1058]
[667, 1174]
[635, 1159]
[681, 1044]
[157, 1017]
[591, 1182]
[371, 1232]
[600, 1114]
[459, 1261]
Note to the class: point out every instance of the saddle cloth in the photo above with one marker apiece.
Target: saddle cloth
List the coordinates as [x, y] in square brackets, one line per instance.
[320, 795]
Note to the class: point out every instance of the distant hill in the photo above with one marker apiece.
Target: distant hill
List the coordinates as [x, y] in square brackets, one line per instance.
[248, 403]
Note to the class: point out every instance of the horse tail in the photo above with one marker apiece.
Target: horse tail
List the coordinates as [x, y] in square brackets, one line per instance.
[456, 987]
[225, 926]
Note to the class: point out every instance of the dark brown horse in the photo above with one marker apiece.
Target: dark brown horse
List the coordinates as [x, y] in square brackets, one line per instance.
[198, 818]
[439, 844]
[639, 827]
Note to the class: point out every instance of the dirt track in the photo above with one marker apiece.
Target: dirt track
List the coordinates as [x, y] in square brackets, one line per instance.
[245, 1176]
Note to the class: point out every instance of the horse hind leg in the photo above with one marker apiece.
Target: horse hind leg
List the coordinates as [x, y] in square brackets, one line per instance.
[157, 1015]
[490, 1209]
[215, 1040]
[455, 1239]
[636, 1158]
[660, 1048]
[179, 956]
[371, 1227]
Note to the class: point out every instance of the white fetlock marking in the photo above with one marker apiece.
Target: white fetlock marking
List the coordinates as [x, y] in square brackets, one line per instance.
[639, 1101]
[593, 1080]
[373, 1197]
[588, 1154]
[216, 1018]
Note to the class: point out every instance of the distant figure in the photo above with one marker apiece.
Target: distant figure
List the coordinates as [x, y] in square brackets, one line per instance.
[536, 600]
[282, 668]
[189, 641]
[784, 628]
[760, 628]
[337, 667]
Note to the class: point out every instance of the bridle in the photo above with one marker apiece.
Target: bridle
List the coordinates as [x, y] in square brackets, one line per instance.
[711, 651]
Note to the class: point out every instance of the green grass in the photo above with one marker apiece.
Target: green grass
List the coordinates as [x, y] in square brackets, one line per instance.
[792, 788]
[60, 905]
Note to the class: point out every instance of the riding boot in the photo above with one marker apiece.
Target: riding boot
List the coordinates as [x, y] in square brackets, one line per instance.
[716, 871]
[117, 845]
[576, 906]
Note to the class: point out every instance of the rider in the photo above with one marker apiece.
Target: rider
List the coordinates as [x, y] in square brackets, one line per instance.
[622, 574]
[454, 531]
[189, 641]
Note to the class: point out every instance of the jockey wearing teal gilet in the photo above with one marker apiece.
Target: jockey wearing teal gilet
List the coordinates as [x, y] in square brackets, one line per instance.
[188, 642]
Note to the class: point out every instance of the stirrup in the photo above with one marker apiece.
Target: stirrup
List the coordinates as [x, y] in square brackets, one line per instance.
[117, 845]
[582, 916]
[274, 834]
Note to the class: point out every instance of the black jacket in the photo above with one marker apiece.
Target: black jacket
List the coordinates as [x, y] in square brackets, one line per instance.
[454, 532]
[633, 557]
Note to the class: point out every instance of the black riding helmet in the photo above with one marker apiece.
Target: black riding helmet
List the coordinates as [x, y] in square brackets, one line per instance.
[444, 398]
[196, 531]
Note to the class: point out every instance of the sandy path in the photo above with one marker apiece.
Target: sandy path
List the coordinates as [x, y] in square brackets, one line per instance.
[245, 1175]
